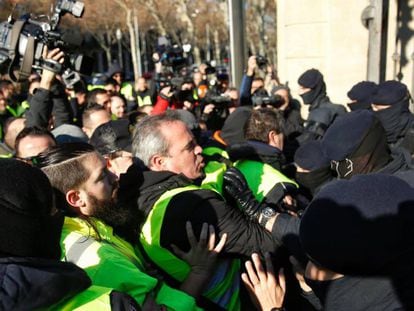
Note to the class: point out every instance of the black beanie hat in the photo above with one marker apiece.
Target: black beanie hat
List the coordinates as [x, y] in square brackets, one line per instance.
[233, 128]
[112, 136]
[113, 69]
[310, 156]
[389, 93]
[27, 228]
[362, 93]
[361, 226]
[346, 134]
[310, 78]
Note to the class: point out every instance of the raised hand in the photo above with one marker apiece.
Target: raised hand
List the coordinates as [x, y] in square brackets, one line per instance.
[202, 255]
[262, 284]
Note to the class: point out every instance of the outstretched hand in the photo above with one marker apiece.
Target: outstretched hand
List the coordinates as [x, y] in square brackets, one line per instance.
[48, 75]
[202, 255]
[262, 284]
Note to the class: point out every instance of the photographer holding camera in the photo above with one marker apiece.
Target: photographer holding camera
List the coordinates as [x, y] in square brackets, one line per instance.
[50, 98]
[253, 93]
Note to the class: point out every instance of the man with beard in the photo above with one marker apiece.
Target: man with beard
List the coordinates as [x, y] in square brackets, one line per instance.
[322, 112]
[87, 194]
[170, 195]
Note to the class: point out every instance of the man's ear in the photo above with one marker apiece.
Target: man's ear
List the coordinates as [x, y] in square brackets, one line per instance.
[77, 199]
[74, 199]
[274, 139]
[157, 163]
[86, 131]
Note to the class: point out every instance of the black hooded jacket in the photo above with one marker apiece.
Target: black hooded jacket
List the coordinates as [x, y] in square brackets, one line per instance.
[398, 123]
[257, 151]
[198, 207]
[322, 112]
[33, 283]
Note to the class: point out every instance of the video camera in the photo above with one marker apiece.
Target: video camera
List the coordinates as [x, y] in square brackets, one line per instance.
[22, 42]
[176, 83]
[265, 100]
[221, 104]
[173, 56]
[261, 61]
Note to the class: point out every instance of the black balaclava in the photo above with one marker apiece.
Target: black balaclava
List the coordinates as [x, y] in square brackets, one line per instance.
[27, 227]
[310, 97]
[313, 180]
[362, 94]
[310, 156]
[312, 79]
[395, 119]
[371, 155]
[359, 106]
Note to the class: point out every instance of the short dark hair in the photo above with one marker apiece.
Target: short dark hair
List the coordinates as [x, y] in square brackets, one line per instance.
[261, 122]
[88, 111]
[32, 131]
[93, 94]
[111, 81]
[5, 83]
[63, 165]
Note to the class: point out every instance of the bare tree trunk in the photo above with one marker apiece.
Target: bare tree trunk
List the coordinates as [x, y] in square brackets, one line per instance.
[132, 38]
[138, 50]
[182, 6]
[154, 12]
[275, 50]
[217, 54]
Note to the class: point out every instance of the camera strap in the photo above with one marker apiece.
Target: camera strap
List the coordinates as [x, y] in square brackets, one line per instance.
[52, 65]
[26, 66]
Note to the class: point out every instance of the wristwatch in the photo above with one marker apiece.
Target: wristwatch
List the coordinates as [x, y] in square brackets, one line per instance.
[267, 213]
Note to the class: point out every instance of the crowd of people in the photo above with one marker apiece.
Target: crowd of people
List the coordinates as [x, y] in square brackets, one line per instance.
[180, 192]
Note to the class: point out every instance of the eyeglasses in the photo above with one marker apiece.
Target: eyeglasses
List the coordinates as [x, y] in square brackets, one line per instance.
[33, 160]
[118, 153]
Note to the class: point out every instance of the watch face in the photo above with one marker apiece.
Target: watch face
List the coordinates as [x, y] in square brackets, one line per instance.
[268, 212]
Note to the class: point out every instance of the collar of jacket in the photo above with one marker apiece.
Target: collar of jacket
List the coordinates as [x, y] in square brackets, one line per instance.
[401, 161]
[35, 283]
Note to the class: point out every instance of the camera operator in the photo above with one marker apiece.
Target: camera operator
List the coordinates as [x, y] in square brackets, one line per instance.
[214, 107]
[290, 109]
[116, 73]
[50, 98]
[250, 84]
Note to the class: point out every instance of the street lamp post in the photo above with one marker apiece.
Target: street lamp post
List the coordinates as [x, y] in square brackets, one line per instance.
[237, 40]
[118, 35]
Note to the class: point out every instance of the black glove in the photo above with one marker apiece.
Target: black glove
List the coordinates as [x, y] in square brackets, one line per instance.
[235, 186]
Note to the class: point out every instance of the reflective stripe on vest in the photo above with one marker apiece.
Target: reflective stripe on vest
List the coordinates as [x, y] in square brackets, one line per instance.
[12, 111]
[79, 244]
[93, 298]
[214, 170]
[262, 177]
[92, 87]
[145, 101]
[223, 288]
[127, 91]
